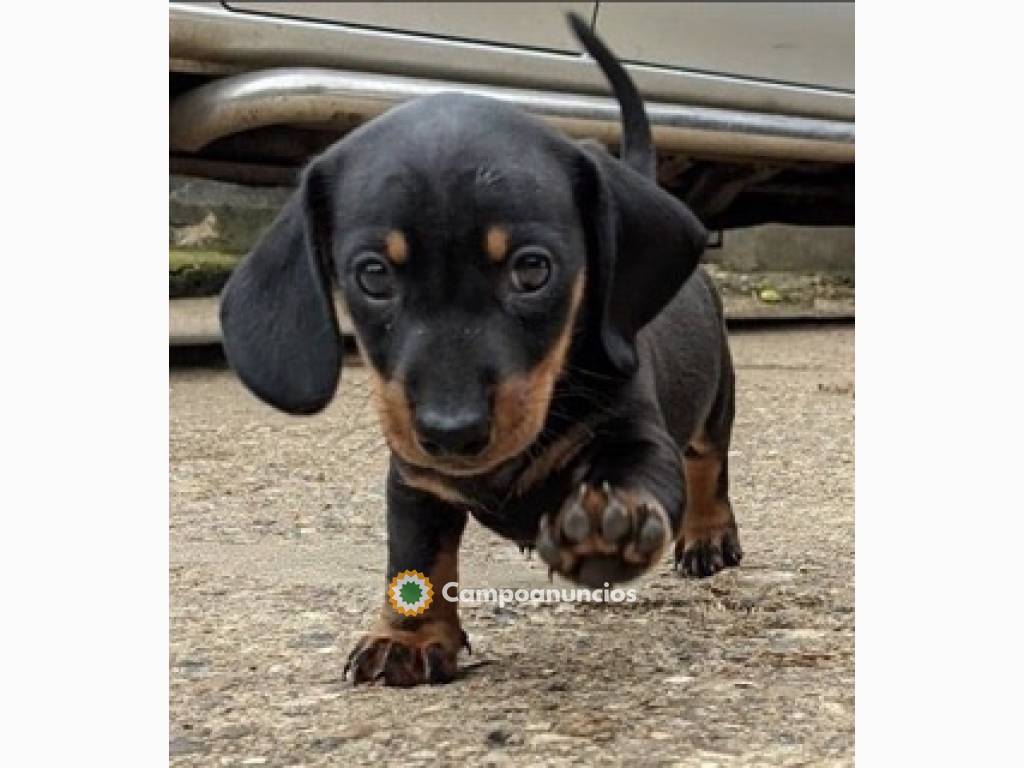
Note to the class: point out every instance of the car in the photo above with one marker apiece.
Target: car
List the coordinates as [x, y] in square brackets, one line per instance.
[752, 103]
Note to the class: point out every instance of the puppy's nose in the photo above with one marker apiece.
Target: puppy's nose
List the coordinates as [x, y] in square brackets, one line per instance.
[461, 433]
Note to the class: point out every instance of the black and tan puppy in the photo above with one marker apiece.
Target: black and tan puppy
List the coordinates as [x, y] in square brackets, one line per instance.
[545, 353]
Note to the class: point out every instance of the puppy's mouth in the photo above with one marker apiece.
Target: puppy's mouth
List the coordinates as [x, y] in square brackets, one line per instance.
[520, 410]
[463, 466]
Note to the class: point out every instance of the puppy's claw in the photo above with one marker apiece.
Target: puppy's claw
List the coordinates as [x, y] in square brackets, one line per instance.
[405, 659]
[703, 555]
[732, 552]
[615, 523]
[576, 525]
[547, 547]
[354, 660]
[652, 534]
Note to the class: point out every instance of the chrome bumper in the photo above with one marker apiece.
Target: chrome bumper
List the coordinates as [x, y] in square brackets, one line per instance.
[332, 99]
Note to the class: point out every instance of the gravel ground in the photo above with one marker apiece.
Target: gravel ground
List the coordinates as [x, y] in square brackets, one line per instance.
[277, 555]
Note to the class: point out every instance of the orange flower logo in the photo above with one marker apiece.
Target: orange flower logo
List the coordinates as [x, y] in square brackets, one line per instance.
[410, 593]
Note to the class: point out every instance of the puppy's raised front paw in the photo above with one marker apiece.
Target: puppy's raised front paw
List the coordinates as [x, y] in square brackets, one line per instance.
[404, 657]
[604, 534]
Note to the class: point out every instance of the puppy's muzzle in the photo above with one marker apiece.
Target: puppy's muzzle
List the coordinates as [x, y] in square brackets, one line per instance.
[465, 432]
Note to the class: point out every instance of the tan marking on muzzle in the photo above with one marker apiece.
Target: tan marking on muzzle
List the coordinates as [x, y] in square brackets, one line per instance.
[521, 402]
[395, 247]
[520, 409]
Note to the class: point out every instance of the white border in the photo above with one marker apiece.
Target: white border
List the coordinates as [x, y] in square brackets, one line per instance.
[84, 318]
[938, 383]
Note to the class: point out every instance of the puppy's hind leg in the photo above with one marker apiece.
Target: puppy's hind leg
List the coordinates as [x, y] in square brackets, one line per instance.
[709, 539]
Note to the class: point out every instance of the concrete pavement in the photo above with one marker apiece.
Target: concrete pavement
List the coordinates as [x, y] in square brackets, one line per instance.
[277, 554]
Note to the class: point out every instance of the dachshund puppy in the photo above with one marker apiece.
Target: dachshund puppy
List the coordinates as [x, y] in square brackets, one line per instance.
[544, 351]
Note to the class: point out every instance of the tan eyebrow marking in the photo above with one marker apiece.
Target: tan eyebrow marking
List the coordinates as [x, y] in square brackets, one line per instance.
[496, 243]
[395, 247]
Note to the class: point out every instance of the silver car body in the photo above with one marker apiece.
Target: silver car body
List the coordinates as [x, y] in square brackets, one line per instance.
[754, 81]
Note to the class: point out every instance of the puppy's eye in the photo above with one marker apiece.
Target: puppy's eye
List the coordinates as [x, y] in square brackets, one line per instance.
[531, 269]
[375, 278]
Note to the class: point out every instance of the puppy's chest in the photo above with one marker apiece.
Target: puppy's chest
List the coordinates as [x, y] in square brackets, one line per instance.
[514, 510]
[512, 499]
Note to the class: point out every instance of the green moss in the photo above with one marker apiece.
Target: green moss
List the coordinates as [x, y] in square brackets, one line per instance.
[199, 273]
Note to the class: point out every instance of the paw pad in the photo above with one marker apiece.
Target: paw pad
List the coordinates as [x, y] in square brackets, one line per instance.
[603, 535]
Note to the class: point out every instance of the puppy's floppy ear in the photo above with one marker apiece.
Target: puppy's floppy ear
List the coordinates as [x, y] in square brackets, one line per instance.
[276, 313]
[642, 246]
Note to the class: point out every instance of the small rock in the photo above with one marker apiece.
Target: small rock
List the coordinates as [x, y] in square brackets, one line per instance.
[592, 726]
[316, 639]
[679, 679]
[618, 706]
[193, 669]
[498, 736]
[183, 746]
[495, 758]
[504, 615]
[556, 740]
[235, 732]
[355, 731]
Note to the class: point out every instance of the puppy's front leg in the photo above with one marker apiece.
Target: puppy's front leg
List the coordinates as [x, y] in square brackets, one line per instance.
[617, 522]
[409, 645]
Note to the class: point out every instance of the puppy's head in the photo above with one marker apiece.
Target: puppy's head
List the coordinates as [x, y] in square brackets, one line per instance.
[471, 244]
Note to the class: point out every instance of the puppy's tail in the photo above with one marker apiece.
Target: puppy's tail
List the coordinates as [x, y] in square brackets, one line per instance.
[637, 147]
